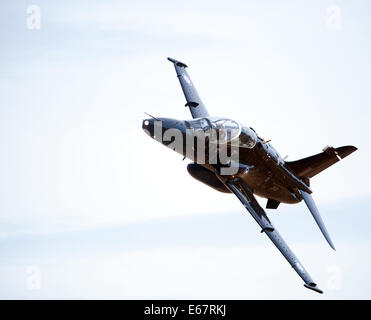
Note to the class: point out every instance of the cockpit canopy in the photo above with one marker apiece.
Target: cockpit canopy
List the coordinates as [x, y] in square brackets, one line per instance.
[226, 130]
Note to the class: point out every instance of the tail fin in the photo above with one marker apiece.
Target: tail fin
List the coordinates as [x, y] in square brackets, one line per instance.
[311, 166]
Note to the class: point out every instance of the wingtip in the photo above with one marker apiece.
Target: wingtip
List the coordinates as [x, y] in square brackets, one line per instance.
[329, 241]
[177, 62]
[313, 286]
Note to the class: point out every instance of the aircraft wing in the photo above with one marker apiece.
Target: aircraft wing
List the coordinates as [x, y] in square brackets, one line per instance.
[196, 106]
[248, 200]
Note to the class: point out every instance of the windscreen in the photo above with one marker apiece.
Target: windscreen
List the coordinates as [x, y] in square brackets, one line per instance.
[218, 129]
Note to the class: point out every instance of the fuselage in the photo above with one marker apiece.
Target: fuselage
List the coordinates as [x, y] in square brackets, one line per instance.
[254, 161]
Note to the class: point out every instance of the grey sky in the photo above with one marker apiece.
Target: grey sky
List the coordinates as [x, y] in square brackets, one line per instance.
[74, 157]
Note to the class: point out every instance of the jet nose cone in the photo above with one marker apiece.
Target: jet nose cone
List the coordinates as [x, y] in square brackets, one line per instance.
[148, 126]
[160, 127]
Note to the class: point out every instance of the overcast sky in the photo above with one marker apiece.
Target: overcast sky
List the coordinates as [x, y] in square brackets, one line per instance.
[76, 167]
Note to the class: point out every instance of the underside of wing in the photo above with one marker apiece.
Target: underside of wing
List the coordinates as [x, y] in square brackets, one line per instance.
[316, 215]
[248, 200]
[196, 106]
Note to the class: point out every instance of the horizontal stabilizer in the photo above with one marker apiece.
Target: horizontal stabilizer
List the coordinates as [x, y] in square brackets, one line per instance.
[311, 166]
[315, 213]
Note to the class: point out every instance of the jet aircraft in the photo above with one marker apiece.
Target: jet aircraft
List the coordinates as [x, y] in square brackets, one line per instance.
[256, 169]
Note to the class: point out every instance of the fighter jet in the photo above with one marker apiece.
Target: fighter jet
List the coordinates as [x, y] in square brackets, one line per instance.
[232, 158]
